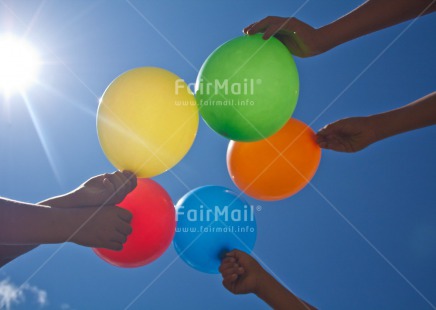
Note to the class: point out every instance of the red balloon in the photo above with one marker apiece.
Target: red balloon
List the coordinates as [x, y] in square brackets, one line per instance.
[153, 225]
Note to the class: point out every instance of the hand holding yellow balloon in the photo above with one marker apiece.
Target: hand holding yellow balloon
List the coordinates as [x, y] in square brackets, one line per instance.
[147, 121]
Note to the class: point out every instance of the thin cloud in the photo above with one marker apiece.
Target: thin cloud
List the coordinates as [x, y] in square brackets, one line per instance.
[11, 294]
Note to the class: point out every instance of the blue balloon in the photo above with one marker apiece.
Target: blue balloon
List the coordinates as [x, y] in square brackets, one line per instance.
[212, 220]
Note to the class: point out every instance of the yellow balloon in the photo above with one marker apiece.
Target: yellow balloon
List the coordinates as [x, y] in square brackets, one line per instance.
[147, 120]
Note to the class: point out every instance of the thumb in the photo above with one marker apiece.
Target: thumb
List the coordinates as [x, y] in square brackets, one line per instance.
[330, 130]
[326, 135]
[108, 184]
[322, 135]
[327, 130]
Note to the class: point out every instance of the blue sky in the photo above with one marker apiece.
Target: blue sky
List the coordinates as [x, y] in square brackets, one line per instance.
[363, 236]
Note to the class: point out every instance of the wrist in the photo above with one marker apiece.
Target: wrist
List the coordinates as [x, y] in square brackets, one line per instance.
[69, 200]
[265, 282]
[378, 125]
[74, 199]
[66, 223]
[327, 38]
[418, 114]
[58, 220]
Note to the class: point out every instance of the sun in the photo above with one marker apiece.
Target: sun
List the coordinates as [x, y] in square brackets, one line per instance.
[19, 64]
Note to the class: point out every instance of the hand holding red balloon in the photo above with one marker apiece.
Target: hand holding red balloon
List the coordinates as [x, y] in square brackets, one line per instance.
[153, 226]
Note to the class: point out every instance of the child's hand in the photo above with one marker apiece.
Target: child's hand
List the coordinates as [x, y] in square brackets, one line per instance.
[301, 39]
[347, 135]
[107, 189]
[241, 273]
[100, 227]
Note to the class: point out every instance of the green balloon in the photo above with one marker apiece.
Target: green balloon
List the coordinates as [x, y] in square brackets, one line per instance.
[247, 89]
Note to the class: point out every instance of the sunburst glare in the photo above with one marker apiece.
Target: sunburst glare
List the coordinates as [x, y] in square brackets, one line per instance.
[19, 64]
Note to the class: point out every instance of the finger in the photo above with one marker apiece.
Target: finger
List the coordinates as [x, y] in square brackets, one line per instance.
[236, 254]
[132, 178]
[246, 29]
[335, 146]
[320, 137]
[287, 40]
[327, 129]
[119, 238]
[339, 147]
[326, 140]
[293, 47]
[232, 254]
[323, 144]
[232, 269]
[124, 187]
[108, 184]
[260, 26]
[114, 245]
[229, 271]
[238, 270]
[321, 140]
[255, 28]
[124, 228]
[227, 260]
[270, 31]
[124, 214]
[230, 279]
[117, 182]
[225, 266]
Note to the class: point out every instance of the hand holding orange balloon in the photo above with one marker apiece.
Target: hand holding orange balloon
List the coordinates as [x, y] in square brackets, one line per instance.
[277, 167]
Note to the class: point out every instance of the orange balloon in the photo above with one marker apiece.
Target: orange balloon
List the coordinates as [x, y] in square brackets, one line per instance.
[277, 167]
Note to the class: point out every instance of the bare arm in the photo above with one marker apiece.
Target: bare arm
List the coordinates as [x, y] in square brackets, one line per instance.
[242, 274]
[27, 224]
[418, 114]
[23, 223]
[104, 189]
[375, 15]
[355, 133]
[86, 216]
[303, 40]
[278, 297]
[15, 241]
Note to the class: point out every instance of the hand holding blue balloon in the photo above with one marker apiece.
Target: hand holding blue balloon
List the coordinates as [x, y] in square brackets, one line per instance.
[212, 220]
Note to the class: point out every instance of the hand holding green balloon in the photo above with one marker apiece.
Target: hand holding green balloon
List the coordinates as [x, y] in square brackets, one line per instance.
[247, 89]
